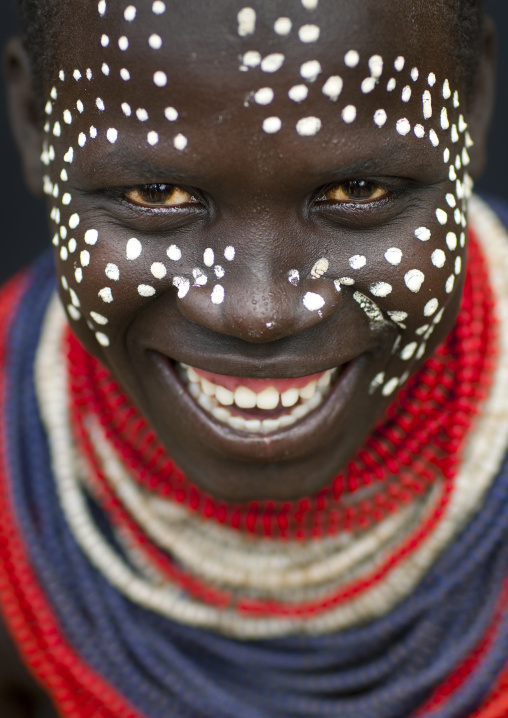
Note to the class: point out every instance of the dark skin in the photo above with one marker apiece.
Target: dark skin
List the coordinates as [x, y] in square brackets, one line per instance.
[283, 201]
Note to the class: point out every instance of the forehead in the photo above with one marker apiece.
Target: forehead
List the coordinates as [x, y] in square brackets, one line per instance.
[231, 72]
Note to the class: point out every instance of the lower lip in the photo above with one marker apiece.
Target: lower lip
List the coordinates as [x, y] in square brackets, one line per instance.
[287, 442]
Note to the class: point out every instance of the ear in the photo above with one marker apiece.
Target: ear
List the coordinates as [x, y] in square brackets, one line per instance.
[481, 102]
[24, 116]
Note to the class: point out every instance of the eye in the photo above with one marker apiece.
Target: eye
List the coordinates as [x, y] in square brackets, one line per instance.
[356, 191]
[159, 195]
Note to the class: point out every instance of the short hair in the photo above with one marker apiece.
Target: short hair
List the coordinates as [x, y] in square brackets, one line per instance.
[39, 24]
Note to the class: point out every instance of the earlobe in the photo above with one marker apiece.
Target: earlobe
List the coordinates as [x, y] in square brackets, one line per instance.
[481, 103]
[24, 117]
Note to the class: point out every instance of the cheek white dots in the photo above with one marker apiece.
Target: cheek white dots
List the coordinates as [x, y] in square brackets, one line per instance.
[77, 75]
[368, 85]
[452, 174]
[123, 43]
[456, 102]
[125, 74]
[399, 63]
[450, 284]
[434, 139]
[160, 78]
[313, 302]
[427, 105]
[415, 74]
[112, 135]
[158, 270]
[263, 96]
[112, 272]
[465, 157]
[351, 58]
[408, 351]
[431, 79]
[200, 279]
[73, 312]
[419, 131]
[446, 156]
[145, 290]
[320, 268]
[271, 125]
[208, 257]
[457, 215]
[158, 8]
[66, 199]
[91, 236]
[64, 254]
[282, 26]
[219, 271]
[81, 139]
[133, 249]
[391, 85]
[454, 134]
[430, 308]
[390, 386]
[376, 382]
[469, 140]
[381, 289]
[445, 122]
[438, 258]
[81, 108]
[293, 277]
[89, 74]
[174, 253]
[309, 33]
[393, 255]
[142, 114]
[102, 7]
[64, 176]
[380, 118]
[376, 65]
[273, 62]
[229, 253]
[414, 280]
[310, 70]
[152, 138]
[155, 41]
[170, 114]
[102, 338]
[458, 265]
[72, 245]
[347, 281]
[403, 126]
[310, 4]
[217, 295]
[74, 297]
[450, 199]
[130, 13]
[441, 216]
[84, 258]
[74, 220]
[406, 94]
[252, 58]
[126, 109]
[298, 93]
[48, 109]
[332, 87]
[67, 116]
[100, 104]
[78, 273]
[246, 21]
[308, 126]
[104, 40]
[357, 261]
[447, 93]
[398, 317]
[349, 114]
[180, 142]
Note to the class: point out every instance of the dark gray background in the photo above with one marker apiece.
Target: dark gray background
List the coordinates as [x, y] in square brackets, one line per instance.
[23, 218]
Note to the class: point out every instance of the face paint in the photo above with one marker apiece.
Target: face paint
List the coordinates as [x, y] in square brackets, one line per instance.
[159, 262]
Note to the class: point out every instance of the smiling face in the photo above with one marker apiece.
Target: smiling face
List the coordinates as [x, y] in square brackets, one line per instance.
[259, 221]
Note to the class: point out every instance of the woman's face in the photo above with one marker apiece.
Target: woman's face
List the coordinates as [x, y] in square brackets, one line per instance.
[264, 194]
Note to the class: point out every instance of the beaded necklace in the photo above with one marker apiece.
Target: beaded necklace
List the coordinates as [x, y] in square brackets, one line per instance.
[438, 649]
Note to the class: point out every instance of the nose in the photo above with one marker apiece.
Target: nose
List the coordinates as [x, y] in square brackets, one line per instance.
[262, 309]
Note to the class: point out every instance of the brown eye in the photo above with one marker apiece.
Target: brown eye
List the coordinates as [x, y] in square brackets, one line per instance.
[356, 191]
[159, 195]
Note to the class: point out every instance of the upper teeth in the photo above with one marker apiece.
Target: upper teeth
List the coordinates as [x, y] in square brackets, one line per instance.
[212, 397]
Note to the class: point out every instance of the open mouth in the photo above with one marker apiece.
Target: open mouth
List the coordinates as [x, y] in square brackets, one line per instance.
[256, 405]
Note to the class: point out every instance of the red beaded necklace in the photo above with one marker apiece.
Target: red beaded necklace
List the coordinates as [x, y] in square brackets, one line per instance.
[418, 441]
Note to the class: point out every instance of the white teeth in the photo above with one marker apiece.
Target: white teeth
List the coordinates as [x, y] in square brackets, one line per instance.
[224, 396]
[245, 398]
[213, 398]
[268, 399]
[290, 397]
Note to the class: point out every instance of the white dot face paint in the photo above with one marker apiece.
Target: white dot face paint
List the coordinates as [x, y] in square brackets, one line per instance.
[160, 78]
[91, 236]
[174, 253]
[399, 63]
[264, 96]
[313, 302]
[125, 74]
[441, 216]
[332, 87]
[106, 295]
[252, 58]
[414, 280]
[308, 126]
[155, 41]
[158, 270]
[351, 58]
[74, 220]
[112, 135]
[293, 277]
[152, 138]
[349, 114]
[298, 93]
[392, 84]
[209, 257]
[390, 387]
[310, 70]
[406, 93]
[403, 126]
[450, 284]
[358, 261]
[273, 62]
[142, 114]
[130, 13]
[145, 290]
[393, 256]
[438, 258]
[271, 125]
[282, 26]
[112, 272]
[376, 65]
[423, 234]
[126, 109]
[451, 241]
[419, 131]
[158, 8]
[381, 289]
[100, 104]
[368, 85]
[380, 118]
[217, 295]
[246, 21]
[180, 142]
[415, 74]
[434, 139]
[309, 33]
[133, 249]
[171, 114]
[229, 253]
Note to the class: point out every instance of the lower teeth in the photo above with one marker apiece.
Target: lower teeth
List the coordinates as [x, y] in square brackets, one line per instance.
[265, 426]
